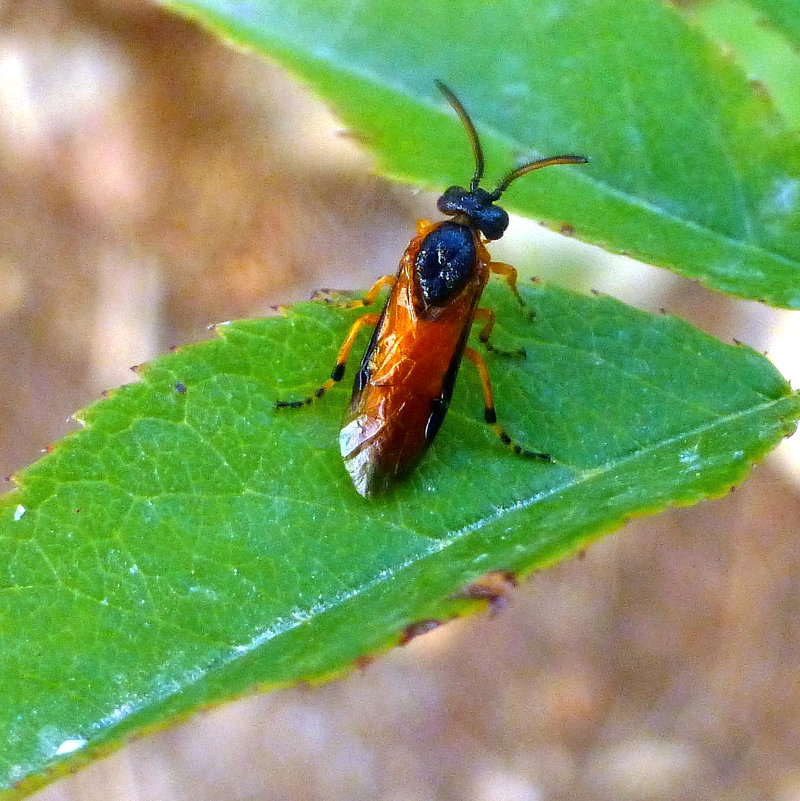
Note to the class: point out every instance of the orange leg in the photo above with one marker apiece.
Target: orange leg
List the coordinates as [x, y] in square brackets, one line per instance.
[489, 413]
[489, 318]
[509, 275]
[331, 296]
[424, 227]
[374, 290]
[341, 362]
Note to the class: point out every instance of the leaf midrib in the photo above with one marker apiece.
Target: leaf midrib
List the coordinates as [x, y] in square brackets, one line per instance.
[292, 622]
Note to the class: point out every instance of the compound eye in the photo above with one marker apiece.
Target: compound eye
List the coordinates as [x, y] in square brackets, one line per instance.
[492, 221]
[452, 200]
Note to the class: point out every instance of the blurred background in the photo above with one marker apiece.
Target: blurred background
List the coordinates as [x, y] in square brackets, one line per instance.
[154, 182]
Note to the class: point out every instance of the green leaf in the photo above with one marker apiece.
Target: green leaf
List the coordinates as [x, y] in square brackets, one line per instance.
[753, 33]
[784, 14]
[690, 169]
[192, 541]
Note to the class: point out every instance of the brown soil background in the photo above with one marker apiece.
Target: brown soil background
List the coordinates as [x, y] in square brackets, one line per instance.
[154, 182]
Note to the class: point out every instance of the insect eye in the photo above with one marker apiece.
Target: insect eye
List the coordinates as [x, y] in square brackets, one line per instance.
[492, 221]
[453, 200]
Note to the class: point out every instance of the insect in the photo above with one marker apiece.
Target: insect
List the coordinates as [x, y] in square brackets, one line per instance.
[405, 380]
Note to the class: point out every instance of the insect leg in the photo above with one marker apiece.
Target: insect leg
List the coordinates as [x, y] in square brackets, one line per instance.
[488, 317]
[341, 362]
[374, 290]
[509, 275]
[330, 296]
[489, 413]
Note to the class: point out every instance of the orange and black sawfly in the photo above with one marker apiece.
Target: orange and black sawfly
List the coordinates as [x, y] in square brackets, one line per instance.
[405, 380]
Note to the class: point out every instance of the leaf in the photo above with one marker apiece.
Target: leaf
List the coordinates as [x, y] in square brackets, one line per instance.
[690, 169]
[754, 33]
[784, 14]
[192, 542]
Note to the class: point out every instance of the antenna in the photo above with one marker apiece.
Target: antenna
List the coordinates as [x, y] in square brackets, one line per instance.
[524, 169]
[475, 143]
[477, 151]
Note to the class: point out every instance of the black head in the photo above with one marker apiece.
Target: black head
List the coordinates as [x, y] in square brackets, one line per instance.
[475, 206]
[478, 207]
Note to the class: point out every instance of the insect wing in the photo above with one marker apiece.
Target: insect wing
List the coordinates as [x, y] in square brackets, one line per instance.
[405, 381]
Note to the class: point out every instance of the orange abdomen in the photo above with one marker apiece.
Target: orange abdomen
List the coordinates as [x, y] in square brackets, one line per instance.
[405, 381]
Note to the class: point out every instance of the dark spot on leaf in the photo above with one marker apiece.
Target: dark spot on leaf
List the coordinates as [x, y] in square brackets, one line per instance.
[494, 587]
[414, 630]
